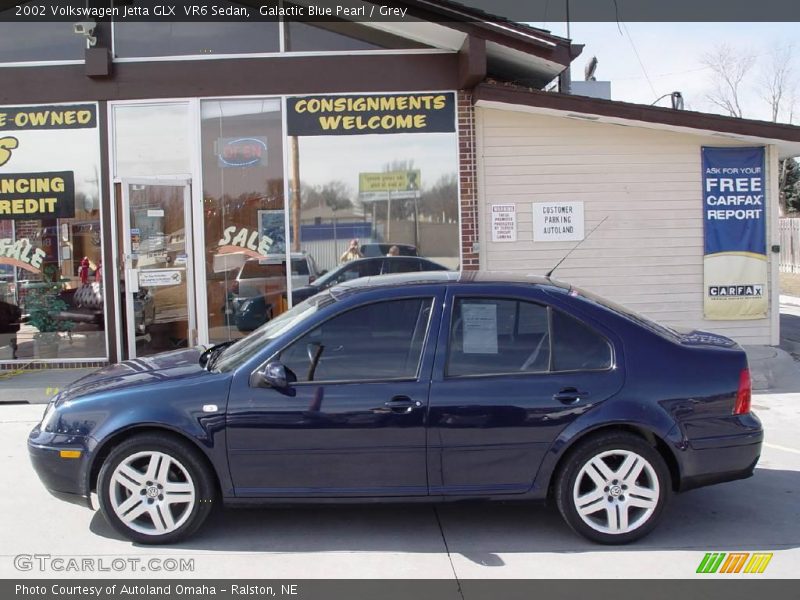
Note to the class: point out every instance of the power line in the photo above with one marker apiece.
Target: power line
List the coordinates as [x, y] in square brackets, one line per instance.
[639, 58]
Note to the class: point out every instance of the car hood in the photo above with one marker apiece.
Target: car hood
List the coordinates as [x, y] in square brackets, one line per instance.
[138, 371]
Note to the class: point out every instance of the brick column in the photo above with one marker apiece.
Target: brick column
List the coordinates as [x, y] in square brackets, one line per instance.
[470, 260]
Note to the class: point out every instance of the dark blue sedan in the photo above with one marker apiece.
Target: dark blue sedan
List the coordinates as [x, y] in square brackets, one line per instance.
[412, 388]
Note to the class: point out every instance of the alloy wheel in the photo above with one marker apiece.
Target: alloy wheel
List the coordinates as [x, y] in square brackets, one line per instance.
[152, 493]
[616, 492]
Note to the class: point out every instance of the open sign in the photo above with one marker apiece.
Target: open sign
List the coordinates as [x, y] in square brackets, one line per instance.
[242, 152]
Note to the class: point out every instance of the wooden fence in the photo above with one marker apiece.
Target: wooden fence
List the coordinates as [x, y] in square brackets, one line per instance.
[790, 245]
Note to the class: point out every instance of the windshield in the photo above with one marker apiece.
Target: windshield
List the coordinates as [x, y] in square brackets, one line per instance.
[244, 349]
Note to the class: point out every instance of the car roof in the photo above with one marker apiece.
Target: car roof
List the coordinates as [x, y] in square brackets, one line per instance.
[275, 257]
[364, 284]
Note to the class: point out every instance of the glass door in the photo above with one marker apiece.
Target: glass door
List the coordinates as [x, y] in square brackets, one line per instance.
[158, 286]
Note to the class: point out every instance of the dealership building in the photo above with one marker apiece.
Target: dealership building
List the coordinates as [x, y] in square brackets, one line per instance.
[151, 172]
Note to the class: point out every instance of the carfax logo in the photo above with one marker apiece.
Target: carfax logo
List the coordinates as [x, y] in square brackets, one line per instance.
[750, 290]
[734, 562]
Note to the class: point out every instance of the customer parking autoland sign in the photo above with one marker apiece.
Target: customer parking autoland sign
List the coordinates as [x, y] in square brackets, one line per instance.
[734, 219]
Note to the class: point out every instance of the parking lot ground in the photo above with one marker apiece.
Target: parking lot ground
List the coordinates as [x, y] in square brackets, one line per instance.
[760, 514]
[36, 386]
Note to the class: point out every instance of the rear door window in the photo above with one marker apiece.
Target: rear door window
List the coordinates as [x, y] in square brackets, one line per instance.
[494, 336]
[498, 336]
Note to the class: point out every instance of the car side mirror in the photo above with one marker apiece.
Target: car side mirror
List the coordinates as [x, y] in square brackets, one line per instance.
[276, 376]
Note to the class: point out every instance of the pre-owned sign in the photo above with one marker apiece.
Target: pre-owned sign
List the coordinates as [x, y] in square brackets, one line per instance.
[75, 116]
[353, 115]
[37, 195]
[735, 261]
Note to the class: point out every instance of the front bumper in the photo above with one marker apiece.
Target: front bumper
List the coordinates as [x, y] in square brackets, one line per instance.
[65, 478]
[728, 456]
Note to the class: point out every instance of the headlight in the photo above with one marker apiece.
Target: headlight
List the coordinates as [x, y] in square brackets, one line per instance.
[49, 416]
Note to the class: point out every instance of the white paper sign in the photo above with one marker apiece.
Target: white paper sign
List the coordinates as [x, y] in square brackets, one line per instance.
[155, 212]
[504, 222]
[480, 328]
[558, 221]
[159, 277]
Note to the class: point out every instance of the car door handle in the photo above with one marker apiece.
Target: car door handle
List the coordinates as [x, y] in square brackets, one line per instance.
[569, 395]
[402, 404]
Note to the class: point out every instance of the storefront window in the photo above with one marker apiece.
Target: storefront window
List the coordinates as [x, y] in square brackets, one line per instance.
[381, 170]
[51, 272]
[339, 36]
[151, 140]
[174, 38]
[38, 41]
[243, 204]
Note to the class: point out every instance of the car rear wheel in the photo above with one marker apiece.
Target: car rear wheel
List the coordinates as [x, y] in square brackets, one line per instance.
[613, 488]
[155, 489]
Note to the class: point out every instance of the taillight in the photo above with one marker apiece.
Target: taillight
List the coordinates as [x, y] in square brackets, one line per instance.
[235, 287]
[742, 406]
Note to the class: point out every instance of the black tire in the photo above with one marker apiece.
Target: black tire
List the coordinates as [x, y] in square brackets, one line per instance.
[613, 501]
[188, 460]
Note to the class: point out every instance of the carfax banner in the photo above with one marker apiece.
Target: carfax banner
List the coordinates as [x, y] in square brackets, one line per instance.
[734, 223]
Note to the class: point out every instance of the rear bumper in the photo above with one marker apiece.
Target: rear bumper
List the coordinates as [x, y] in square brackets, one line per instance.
[721, 458]
[65, 478]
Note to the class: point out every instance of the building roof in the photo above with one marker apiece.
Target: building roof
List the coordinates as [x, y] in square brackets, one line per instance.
[514, 51]
[511, 97]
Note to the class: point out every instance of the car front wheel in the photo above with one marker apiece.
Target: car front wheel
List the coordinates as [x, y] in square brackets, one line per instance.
[613, 488]
[155, 489]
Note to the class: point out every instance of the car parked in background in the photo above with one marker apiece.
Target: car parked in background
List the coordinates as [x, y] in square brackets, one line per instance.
[416, 387]
[373, 249]
[256, 311]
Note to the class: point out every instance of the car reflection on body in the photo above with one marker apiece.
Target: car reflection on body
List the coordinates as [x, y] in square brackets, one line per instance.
[432, 387]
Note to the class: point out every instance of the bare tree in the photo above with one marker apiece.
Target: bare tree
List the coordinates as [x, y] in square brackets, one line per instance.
[778, 83]
[729, 67]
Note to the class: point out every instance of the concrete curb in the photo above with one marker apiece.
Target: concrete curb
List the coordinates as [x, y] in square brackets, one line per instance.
[789, 300]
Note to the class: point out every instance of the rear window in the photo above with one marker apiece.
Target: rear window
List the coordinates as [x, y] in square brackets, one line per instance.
[252, 269]
[627, 313]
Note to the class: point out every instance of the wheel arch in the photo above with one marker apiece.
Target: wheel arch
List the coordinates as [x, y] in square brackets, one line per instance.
[660, 445]
[111, 441]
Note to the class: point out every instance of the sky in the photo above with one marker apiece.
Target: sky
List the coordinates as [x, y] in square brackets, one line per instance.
[669, 55]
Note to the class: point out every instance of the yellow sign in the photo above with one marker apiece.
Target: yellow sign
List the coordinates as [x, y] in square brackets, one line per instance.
[390, 181]
[352, 115]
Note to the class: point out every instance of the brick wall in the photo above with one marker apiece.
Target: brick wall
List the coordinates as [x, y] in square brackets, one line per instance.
[470, 261]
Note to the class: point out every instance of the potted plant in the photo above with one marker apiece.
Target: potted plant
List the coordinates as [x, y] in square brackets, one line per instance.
[44, 306]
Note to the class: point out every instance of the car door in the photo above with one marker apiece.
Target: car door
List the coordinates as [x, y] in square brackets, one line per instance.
[505, 383]
[353, 423]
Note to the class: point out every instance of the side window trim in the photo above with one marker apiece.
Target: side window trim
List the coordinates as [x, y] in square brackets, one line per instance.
[431, 298]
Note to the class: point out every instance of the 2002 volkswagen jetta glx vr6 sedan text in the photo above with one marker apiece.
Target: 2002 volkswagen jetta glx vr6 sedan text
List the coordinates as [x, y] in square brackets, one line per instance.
[418, 387]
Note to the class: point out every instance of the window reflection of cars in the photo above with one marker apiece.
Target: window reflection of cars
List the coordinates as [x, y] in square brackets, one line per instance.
[255, 311]
[374, 249]
[260, 287]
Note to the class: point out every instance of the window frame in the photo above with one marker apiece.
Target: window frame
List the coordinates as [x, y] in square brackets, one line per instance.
[550, 363]
[275, 356]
